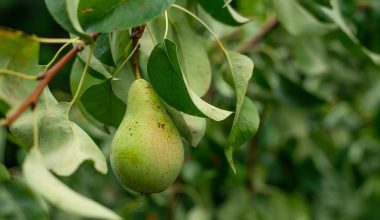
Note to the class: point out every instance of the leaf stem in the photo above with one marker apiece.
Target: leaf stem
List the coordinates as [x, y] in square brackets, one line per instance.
[124, 62]
[60, 51]
[17, 74]
[210, 30]
[82, 78]
[55, 40]
[35, 126]
[166, 25]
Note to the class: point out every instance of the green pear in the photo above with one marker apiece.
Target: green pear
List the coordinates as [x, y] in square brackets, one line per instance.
[147, 151]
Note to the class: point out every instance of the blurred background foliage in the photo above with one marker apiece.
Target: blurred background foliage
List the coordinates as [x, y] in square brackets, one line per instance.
[316, 154]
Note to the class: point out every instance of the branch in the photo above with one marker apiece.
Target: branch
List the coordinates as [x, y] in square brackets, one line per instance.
[45, 78]
[269, 25]
[137, 33]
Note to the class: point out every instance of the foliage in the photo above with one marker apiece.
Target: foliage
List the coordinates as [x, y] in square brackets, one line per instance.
[313, 78]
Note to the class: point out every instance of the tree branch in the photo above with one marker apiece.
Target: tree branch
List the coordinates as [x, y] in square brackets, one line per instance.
[137, 33]
[45, 78]
[269, 25]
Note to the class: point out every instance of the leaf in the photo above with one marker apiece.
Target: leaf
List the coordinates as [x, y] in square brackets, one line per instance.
[18, 52]
[101, 102]
[167, 79]
[2, 144]
[63, 144]
[19, 202]
[102, 49]
[43, 182]
[4, 107]
[120, 44]
[223, 12]
[64, 13]
[4, 174]
[108, 16]
[91, 78]
[241, 71]
[335, 14]
[298, 21]
[192, 128]
[192, 54]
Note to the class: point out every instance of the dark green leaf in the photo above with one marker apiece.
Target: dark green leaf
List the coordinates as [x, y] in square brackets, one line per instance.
[223, 12]
[64, 13]
[167, 78]
[4, 174]
[192, 54]
[4, 107]
[102, 49]
[19, 202]
[101, 102]
[108, 16]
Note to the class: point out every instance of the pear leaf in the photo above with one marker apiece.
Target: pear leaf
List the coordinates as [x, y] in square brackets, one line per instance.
[43, 182]
[168, 80]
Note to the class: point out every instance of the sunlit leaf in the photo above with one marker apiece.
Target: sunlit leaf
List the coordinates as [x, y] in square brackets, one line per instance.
[43, 182]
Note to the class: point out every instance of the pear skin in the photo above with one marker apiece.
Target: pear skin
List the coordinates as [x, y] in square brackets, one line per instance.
[147, 151]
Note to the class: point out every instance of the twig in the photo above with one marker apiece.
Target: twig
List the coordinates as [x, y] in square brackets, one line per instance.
[137, 33]
[45, 78]
[269, 25]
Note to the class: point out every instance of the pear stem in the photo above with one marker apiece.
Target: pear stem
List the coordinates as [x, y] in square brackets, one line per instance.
[137, 33]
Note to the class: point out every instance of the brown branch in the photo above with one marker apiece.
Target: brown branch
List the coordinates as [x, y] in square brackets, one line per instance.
[269, 25]
[137, 33]
[45, 78]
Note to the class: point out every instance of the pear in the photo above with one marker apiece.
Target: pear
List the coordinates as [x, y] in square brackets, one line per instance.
[147, 151]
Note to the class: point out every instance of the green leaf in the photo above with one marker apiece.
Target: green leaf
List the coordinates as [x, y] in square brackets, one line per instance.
[2, 144]
[120, 44]
[4, 174]
[42, 181]
[192, 54]
[108, 16]
[244, 128]
[223, 12]
[192, 128]
[63, 144]
[241, 71]
[18, 52]
[298, 21]
[91, 78]
[335, 14]
[101, 102]
[167, 78]
[101, 71]
[19, 202]
[4, 107]
[64, 13]
[102, 49]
